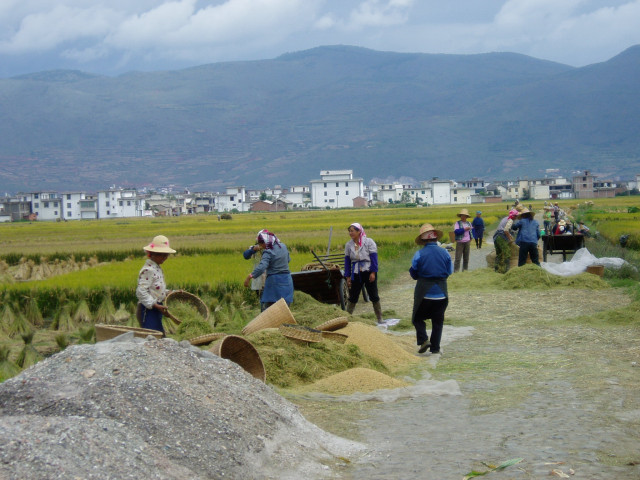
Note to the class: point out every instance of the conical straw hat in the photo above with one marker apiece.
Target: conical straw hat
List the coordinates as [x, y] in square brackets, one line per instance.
[272, 317]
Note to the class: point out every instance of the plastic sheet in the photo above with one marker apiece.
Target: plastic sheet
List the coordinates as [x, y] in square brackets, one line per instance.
[579, 263]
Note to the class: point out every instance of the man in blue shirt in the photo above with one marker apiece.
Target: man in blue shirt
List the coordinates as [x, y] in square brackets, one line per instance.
[431, 266]
[527, 238]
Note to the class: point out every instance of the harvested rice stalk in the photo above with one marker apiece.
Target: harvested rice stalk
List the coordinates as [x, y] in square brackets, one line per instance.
[33, 313]
[8, 369]
[20, 325]
[121, 316]
[62, 341]
[193, 328]
[63, 320]
[82, 313]
[8, 317]
[106, 311]
[185, 312]
[28, 355]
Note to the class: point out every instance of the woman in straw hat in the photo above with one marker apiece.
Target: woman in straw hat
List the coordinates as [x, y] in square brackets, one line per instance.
[501, 241]
[152, 290]
[361, 269]
[528, 235]
[462, 231]
[431, 266]
[275, 262]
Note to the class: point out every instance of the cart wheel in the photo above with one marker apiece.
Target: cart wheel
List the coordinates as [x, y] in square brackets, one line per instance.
[344, 294]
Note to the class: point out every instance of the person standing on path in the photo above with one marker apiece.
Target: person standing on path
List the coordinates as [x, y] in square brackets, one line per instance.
[361, 269]
[275, 262]
[152, 290]
[478, 228]
[528, 236]
[430, 266]
[502, 240]
[462, 232]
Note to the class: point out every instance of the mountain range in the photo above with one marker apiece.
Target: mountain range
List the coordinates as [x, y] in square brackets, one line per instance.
[281, 121]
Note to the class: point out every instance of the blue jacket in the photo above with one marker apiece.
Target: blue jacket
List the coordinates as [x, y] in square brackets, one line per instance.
[528, 231]
[431, 266]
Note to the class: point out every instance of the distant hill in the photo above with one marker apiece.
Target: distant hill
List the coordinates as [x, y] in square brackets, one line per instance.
[281, 121]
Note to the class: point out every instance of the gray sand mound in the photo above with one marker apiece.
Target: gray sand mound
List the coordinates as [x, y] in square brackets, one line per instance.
[133, 408]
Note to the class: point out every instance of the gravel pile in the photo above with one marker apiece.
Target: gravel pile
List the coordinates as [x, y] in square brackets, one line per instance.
[136, 408]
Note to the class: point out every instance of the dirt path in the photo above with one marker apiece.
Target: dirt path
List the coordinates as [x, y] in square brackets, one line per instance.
[535, 381]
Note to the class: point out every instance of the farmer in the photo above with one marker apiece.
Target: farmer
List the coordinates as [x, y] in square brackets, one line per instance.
[361, 269]
[502, 240]
[462, 232]
[562, 228]
[528, 236]
[583, 229]
[275, 262]
[478, 228]
[431, 266]
[152, 290]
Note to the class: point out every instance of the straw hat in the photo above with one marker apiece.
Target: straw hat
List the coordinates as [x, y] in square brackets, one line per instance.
[160, 244]
[424, 230]
[562, 222]
[523, 211]
[464, 211]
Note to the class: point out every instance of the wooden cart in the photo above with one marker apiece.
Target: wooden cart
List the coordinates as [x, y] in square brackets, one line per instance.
[326, 284]
[564, 244]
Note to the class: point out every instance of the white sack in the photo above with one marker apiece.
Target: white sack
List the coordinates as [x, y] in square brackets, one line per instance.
[579, 263]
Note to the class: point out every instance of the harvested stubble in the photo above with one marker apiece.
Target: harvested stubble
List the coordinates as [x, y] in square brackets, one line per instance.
[354, 380]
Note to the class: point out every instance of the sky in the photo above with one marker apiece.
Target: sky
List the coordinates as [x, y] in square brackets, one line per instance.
[111, 37]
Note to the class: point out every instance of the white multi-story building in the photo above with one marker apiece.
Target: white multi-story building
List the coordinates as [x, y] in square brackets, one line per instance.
[461, 195]
[299, 196]
[46, 205]
[233, 198]
[420, 195]
[71, 205]
[336, 189]
[120, 203]
[389, 192]
[441, 191]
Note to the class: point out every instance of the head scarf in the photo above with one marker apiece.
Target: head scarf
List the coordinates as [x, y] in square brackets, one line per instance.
[268, 238]
[513, 213]
[362, 234]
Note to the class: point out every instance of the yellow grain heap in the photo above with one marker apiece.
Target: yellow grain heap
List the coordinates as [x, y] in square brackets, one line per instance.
[378, 344]
[354, 380]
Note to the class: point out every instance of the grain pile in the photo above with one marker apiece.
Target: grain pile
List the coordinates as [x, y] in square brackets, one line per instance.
[379, 345]
[354, 380]
[135, 408]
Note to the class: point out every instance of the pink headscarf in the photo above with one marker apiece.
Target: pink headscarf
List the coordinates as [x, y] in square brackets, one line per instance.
[361, 230]
[513, 213]
[268, 238]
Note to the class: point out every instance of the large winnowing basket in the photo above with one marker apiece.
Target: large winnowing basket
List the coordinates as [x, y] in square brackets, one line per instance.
[272, 317]
[177, 296]
[239, 350]
[106, 332]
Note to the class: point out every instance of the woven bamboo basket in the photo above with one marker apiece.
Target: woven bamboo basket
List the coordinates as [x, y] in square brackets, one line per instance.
[335, 324]
[596, 270]
[301, 333]
[182, 296]
[207, 339]
[239, 350]
[335, 336]
[272, 317]
[106, 332]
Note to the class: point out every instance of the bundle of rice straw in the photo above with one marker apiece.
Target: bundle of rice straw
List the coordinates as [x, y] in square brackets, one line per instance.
[29, 355]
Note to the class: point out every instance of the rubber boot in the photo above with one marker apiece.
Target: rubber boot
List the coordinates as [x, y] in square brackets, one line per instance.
[378, 309]
[351, 307]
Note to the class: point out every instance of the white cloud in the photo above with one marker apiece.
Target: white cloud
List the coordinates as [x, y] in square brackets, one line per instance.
[171, 32]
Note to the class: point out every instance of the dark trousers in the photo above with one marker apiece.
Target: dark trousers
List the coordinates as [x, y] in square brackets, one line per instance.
[149, 318]
[360, 280]
[462, 253]
[478, 240]
[531, 249]
[433, 309]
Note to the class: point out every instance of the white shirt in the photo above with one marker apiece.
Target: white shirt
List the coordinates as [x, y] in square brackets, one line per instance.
[151, 287]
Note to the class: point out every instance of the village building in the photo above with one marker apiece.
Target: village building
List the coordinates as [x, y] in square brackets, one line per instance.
[336, 189]
[114, 203]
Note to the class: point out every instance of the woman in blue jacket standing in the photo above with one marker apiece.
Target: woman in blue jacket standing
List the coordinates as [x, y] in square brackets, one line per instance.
[275, 261]
[431, 266]
[478, 228]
